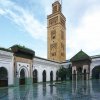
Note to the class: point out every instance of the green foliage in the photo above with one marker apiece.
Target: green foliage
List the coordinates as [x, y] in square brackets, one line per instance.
[62, 73]
[69, 73]
[65, 73]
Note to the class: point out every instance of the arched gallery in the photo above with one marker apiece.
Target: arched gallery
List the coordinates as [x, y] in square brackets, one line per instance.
[20, 66]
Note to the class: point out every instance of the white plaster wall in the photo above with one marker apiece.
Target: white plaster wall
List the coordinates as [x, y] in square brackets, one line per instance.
[6, 61]
[41, 65]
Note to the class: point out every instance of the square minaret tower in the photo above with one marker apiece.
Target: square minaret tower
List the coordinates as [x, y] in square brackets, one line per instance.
[56, 34]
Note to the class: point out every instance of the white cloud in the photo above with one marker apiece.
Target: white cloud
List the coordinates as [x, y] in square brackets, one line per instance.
[87, 35]
[84, 36]
[23, 18]
[2, 12]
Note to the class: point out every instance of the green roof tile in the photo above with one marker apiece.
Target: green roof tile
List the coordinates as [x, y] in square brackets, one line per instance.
[80, 56]
[15, 48]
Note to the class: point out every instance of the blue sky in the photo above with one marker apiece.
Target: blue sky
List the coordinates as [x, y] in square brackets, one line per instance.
[24, 22]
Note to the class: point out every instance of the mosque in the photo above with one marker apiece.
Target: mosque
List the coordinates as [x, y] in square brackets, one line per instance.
[19, 65]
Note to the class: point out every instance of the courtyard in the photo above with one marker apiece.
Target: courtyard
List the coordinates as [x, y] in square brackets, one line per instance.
[80, 90]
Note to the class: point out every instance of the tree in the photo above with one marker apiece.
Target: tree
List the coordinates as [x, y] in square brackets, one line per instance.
[69, 72]
[62, 72]
[65, 73]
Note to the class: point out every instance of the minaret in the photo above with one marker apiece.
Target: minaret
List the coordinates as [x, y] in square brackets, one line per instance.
[56, 35]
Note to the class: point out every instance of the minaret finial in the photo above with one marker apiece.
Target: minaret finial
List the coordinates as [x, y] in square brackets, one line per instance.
[60, 1]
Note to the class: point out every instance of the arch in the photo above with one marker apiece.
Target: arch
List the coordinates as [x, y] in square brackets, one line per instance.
[51, 76]
[79, 70]
[85, 74]
[74, 75]
[74, 72]
[79, 73]
[25, 69]
[57, 76]
[3, 77]
[95, 62]
[96, 72]
[22, 76]
[44, 76]
[35, 76]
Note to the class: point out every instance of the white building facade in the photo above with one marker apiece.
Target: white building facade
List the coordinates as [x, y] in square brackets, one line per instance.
[20, 70]
[6, 67]
[36, 70]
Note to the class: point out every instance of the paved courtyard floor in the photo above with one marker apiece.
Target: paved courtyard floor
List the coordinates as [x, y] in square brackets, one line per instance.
[81, 90]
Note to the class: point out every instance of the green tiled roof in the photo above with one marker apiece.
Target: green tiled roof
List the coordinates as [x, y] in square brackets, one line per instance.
[80, 56]
[16, 48]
